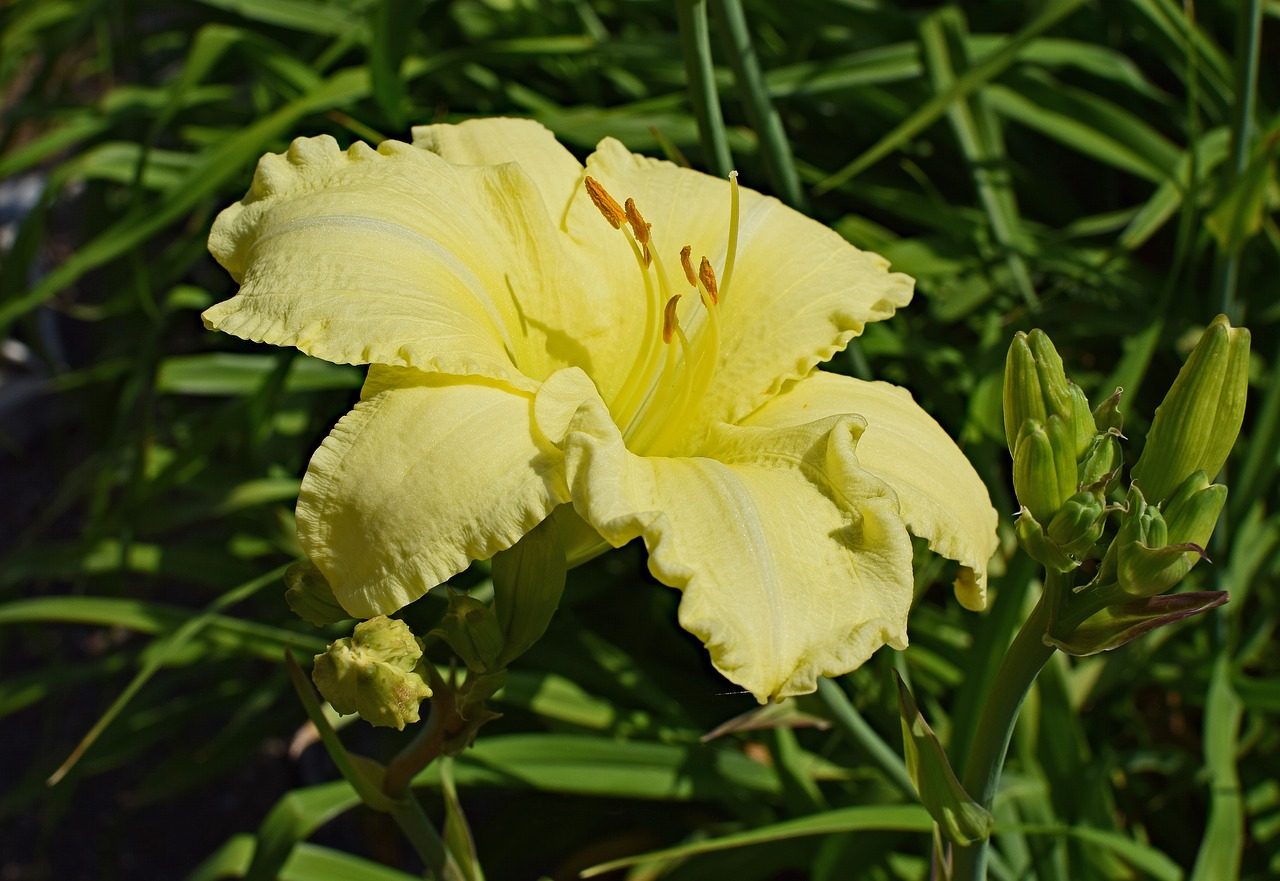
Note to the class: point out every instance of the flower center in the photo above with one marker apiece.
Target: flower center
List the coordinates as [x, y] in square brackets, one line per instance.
[673, 368]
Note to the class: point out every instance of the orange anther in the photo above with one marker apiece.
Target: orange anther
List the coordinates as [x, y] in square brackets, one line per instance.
[708, 276]
[669, 320]
[688, 265]
[608, 206]
[638, 227]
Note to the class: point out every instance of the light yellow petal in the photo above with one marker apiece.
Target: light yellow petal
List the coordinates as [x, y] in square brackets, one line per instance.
[555, 171]
[426, 474]
[798, 292]
[943, 499]
[604, 311]
[792, 560]
[397, 257]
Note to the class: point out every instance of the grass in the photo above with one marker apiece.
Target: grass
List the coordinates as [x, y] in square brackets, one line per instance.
[1104, 171]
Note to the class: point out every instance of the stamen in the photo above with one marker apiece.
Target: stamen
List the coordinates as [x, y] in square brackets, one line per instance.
[638, 227]
[608, 206]
[670, 323]
[688, 265]
[708, 277]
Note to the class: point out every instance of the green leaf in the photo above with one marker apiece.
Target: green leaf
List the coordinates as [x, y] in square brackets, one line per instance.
[234, 374]
[307, 862]
[457, 833]
[902, 818]
[1239, 214]
[600, 766]
[364, 775]
[980, 73]
[1150, 862]
[291, 820]
[962, 820]
[227, 633]
[1223, 845]
[393, 24]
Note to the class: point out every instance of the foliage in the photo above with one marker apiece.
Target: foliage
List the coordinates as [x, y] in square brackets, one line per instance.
[1104, 171]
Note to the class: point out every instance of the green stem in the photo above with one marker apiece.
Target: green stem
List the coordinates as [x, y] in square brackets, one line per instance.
[417, 827]
[1248, 49]
[1022, 663]
[427, 746]
[695, 42]
[856, 728]
[760, 111]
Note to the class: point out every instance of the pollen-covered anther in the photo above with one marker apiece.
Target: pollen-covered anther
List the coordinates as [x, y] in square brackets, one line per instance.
[607, 205]
[708, 276]
[688, 265]
[639, 228]
[670, 322]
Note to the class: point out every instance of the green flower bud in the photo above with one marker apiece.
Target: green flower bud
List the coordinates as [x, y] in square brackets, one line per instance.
[1100, 466]
[372, 673]
[1078, 524]
[1044, 466]
[471, 628]
[1034, 540]
[1081, 418]
[1035, 385]
[310, 596]
[1192, 511]
[1107, 416]
[1150, 557]
[1072, 532]
[1196, 425]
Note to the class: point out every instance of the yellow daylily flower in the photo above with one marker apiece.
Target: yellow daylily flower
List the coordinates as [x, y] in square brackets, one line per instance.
[632, 346]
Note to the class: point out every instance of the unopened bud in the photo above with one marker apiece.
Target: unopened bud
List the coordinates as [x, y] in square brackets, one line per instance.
[1197, 424]
[372, 673]
[1081, 418]
[1100, 466]
[1107, 416]
[472, 630]
[1078, 524]
[1192, 511]
[1150, 559]
[1038, 478]
[311, 597]
[1024, 396]
[1073, 531]
[1034, 540]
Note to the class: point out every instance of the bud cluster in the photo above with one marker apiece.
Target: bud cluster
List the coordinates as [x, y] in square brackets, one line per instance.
[1067, 462]
[1066, 458]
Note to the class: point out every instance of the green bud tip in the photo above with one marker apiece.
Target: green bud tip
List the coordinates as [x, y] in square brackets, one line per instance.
[1035, 386]
[1196, 426]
